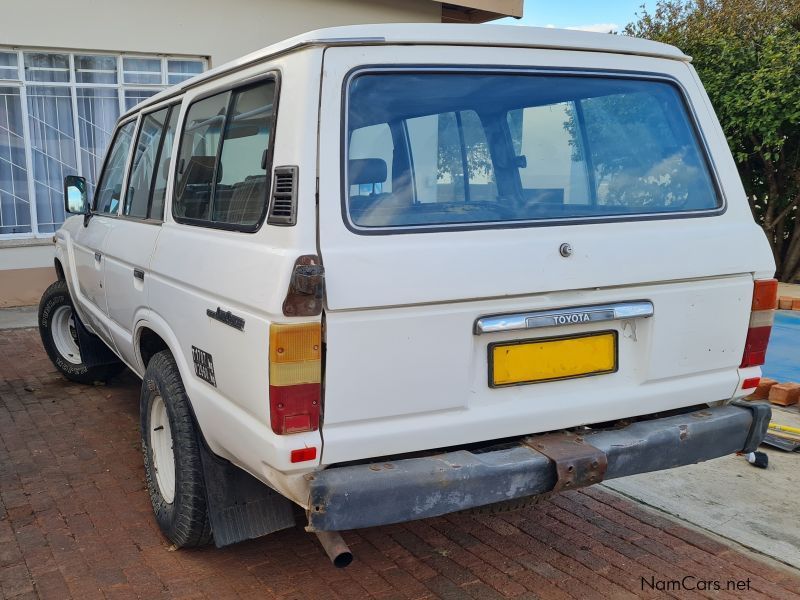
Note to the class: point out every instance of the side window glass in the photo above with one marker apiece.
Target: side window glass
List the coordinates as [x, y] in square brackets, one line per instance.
[241, 191]
[197, 157]
[109, 188]
[223, 161]
[552, 164]
[371, 158]
[451, 158]
[162, 168]
[145, 157]
[436, 150]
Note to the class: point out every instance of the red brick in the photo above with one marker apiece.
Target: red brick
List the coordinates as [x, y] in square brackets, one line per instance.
[784, 394]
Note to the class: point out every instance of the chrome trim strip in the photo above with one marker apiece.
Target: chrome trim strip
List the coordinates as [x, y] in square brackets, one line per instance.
[564, 316]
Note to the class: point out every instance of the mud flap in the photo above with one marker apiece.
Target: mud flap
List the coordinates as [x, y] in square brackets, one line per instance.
[240, 507]
[94, 351]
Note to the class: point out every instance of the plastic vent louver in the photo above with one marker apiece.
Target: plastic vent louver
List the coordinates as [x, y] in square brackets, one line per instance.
[283, 205]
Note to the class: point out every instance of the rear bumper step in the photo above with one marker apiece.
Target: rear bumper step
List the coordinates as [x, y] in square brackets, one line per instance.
[416, 488]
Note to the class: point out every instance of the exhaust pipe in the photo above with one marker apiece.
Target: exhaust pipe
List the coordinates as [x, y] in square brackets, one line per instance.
[335, 547]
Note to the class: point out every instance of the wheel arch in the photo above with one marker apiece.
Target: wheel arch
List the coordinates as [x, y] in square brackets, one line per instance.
[152, 335]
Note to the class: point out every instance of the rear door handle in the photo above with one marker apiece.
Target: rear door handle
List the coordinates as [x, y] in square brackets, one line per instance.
[139, 274]
[98, 257]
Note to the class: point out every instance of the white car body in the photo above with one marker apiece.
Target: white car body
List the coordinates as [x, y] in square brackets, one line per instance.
[405, 370]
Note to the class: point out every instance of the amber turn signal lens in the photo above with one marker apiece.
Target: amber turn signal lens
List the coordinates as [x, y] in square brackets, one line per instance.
[295, 343]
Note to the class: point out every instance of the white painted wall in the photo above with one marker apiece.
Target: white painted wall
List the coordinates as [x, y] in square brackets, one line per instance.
[222, 30]
[28, 256]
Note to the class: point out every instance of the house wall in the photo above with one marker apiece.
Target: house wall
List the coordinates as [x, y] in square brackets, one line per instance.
[220, 31]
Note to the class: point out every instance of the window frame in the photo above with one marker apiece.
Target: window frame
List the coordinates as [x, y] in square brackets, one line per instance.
[172, 104]
[406, 69]
[102, 171]
[73, 88]
[233, 87]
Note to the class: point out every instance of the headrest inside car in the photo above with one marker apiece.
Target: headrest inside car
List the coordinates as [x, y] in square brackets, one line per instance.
[364, 171]
[200, 170]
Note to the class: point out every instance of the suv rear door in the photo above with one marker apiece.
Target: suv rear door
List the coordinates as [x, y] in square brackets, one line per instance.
[454, 194]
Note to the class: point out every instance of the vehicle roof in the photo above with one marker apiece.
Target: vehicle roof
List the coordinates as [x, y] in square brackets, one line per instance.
[510, 36]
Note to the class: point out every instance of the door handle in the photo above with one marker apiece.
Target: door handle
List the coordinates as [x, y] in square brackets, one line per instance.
[138, 274]
[98, 257]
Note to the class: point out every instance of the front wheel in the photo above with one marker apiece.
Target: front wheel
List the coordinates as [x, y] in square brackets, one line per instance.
[172, 460]
[59, 332]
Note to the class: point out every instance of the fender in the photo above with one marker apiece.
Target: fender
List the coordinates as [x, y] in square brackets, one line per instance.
[65, 254]
[216, 416]
[241, 506]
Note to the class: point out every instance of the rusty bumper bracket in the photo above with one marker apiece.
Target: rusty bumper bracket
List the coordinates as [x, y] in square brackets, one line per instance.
[577, 462]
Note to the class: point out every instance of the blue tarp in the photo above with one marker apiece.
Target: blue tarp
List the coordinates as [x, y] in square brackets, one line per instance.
[783, 353]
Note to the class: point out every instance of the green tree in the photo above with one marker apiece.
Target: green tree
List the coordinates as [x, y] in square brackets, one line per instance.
[747, 54]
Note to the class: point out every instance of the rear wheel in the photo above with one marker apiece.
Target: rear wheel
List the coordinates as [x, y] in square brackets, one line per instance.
[172, 460]
[58, 329]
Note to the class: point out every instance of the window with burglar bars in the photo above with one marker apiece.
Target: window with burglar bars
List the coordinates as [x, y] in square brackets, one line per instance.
[57, 115]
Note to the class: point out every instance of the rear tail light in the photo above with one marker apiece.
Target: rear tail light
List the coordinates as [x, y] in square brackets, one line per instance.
[295, 375]
[765, 301]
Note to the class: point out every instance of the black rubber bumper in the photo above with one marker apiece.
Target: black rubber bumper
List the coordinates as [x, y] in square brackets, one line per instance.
[367, 495]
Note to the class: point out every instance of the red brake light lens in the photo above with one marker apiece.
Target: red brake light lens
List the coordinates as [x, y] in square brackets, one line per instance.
[294, 408]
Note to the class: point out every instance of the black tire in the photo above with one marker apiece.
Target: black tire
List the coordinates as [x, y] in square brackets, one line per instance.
[184, 519]
[507, 506]
[56, 301]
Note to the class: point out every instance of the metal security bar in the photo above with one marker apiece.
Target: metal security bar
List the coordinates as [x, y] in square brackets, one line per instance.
[57, 114]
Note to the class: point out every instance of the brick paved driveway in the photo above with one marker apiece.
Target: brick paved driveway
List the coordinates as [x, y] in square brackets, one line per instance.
[75, 521]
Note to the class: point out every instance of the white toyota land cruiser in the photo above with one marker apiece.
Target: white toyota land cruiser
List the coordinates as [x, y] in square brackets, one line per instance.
[390, 272]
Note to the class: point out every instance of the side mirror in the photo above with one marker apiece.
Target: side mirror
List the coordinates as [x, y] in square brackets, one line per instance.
[75, 198]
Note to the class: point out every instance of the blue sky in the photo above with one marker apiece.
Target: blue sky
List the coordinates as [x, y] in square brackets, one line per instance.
[593, 15]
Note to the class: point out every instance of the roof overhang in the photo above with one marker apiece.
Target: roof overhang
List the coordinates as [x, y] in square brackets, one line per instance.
[479, 11]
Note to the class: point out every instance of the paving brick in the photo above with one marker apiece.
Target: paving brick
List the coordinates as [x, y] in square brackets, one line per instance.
[75, 521]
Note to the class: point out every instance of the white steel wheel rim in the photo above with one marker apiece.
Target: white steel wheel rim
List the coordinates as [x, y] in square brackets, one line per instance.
[161, 447]
[65, 334]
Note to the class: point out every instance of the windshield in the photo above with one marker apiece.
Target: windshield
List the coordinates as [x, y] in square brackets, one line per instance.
[432, 149]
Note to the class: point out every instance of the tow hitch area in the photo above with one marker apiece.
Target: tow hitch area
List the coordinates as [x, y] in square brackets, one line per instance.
[577, 462]
[394, 491]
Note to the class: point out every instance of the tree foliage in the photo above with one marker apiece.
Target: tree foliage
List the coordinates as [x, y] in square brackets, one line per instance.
[747, 54]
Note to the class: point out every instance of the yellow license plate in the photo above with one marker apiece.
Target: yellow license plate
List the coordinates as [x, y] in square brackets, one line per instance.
[551, 359]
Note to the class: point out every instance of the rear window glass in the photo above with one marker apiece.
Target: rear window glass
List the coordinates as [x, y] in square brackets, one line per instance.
[432, 149]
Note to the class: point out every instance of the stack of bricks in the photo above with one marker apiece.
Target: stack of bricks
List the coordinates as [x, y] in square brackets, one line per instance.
[788, 303]
[783, 394]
